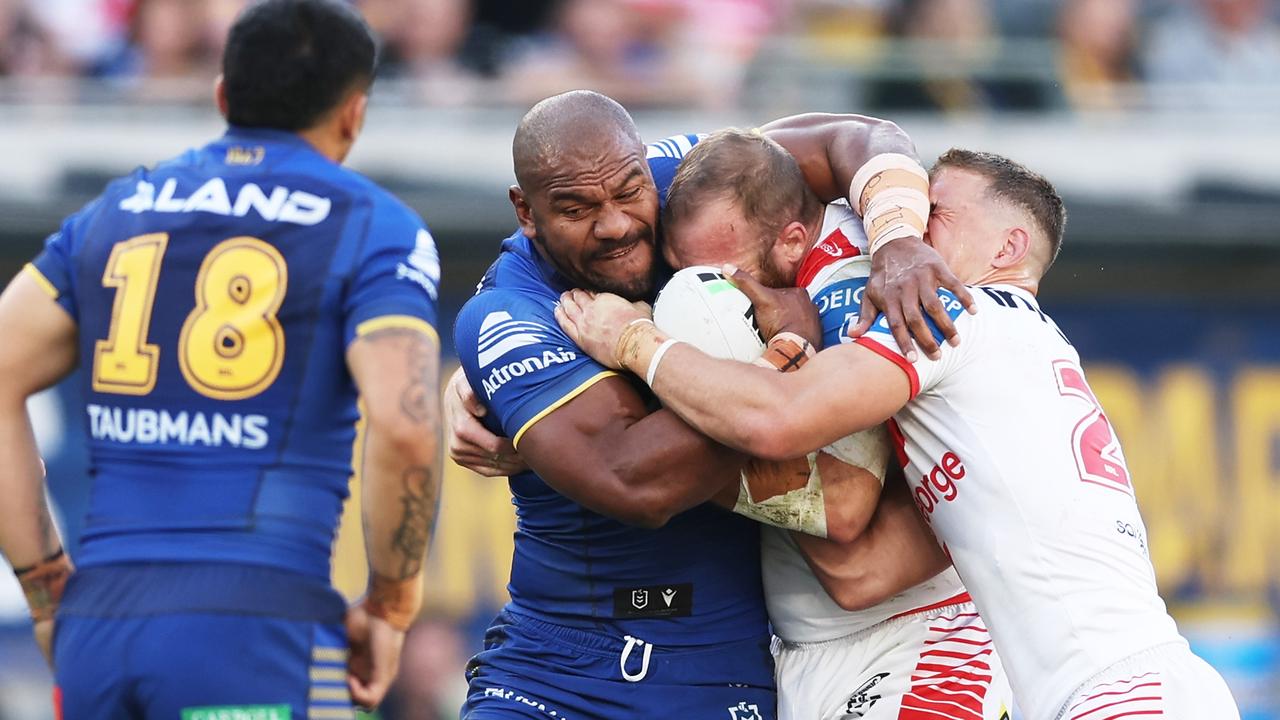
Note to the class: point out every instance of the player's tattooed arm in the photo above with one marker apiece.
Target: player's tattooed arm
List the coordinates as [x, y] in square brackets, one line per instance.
[895, 552]
[42, 350]
[397, 372]
[418, 503]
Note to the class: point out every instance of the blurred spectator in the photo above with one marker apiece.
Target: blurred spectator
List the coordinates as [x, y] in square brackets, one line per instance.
[645, 52]
[1098, 43]
[174, 46]
[595, 44]
[26, 47]
[421, 40]
[85, 31]
[1217, 55]
[497, 26]
[431, 684]
[944, 65]
[947, 40]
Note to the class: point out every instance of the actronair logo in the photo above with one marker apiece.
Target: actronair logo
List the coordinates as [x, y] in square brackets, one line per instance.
[499, 335]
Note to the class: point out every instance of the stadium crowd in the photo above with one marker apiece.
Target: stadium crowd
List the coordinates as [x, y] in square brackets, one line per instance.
[948, 55]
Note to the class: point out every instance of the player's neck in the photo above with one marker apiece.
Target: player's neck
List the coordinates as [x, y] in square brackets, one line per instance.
[813, 226]
[327, 143]
[1016, 276]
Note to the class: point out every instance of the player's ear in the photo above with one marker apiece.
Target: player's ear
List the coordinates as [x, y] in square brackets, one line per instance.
[352, 115]
[524, 213]
[792, 244]
[1017, 243]
[220, 95]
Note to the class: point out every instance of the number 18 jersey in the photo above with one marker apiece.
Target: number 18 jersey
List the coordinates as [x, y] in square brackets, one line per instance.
[215, 296]
[1016, 468]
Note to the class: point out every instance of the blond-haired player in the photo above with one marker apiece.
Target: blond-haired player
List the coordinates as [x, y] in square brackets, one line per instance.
[1008, 452]
[924, 652]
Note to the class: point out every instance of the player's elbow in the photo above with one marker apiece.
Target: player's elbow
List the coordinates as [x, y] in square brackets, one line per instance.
[771, 437]
[857, 591]
[844, 527]
[644, 510]
[415, 438]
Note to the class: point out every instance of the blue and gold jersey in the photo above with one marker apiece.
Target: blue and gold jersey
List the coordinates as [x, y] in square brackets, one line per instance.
[215, 296]
[695, 581]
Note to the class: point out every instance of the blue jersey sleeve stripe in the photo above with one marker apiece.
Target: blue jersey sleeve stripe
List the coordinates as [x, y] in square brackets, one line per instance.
[41, 280]
[406, 322]
[515, 441]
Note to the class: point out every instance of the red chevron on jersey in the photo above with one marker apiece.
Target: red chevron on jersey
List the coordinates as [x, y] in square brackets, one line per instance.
[835, 246]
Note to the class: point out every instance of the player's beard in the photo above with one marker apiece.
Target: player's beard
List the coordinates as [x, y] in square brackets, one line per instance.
[770, 275]
[639, 285]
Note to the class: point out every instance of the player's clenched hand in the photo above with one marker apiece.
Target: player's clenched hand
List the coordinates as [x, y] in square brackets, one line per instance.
[470, 444]
[779, 310]
[905, 276]
[375, 656]
[596, 322]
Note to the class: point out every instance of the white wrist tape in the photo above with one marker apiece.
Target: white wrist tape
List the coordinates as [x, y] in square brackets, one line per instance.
[657, 358]
[891, 193]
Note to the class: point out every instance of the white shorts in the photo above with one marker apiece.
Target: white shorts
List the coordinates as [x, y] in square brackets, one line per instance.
[1167, 681]
[934, 665]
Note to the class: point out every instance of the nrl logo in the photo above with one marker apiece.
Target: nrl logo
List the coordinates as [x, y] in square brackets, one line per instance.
[639, 599]
[743, 711]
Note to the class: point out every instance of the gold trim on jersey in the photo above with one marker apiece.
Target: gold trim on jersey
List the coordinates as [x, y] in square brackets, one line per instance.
[34, 273]
[557, 404]
[408, 322]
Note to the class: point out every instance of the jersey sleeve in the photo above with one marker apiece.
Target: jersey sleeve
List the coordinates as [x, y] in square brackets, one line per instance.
[54, 268]
[519, 362]
[664, 158]
[397, 276]
[924, 373]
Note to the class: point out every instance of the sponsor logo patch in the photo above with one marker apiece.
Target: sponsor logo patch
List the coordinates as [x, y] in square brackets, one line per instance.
[653, 601]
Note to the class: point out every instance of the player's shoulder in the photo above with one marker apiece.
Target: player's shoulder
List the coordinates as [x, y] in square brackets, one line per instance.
[495, 309]
[673, 147]
[664, 157]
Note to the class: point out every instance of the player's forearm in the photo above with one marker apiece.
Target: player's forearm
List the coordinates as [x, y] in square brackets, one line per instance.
[662, 467]
[897, 551]
[747, 407]
[397, 371]
[27, 532]
[401, 484]
[831, 148]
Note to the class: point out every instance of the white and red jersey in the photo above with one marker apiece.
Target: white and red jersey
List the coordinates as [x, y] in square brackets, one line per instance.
[1018, 471]
[835, 273]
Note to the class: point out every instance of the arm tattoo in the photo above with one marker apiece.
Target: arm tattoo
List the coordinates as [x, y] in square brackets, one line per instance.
[416, 397]
[419, 510]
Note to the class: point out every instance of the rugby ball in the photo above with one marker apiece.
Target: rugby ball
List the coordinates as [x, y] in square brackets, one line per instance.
[700, 307]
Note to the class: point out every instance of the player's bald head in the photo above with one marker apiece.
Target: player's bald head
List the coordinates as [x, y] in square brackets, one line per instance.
[576, 122]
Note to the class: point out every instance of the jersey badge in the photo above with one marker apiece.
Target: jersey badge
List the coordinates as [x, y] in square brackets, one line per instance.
[745, 711]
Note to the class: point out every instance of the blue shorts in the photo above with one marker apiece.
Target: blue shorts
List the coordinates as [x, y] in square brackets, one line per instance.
[534, 669]
[155, 662]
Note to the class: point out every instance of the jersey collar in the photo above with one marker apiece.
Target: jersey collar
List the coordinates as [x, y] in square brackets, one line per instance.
[835, 246]
[522, 245]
